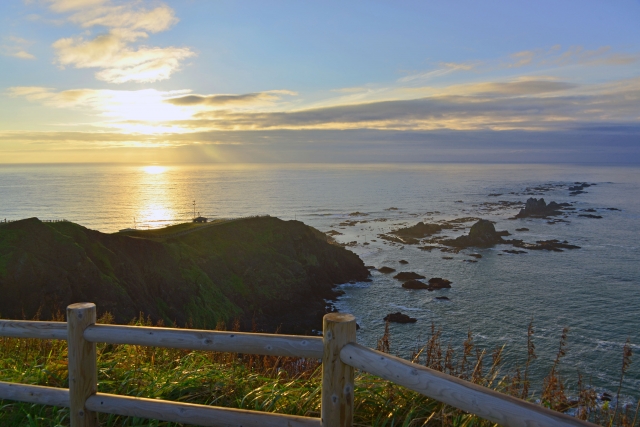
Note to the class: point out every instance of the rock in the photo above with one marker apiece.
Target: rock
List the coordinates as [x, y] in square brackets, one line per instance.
[415, 284]
[588, 210]
[579, 186]
[392, 208]
[369, 267]
[514, 251]
[482, 234]
[386, 270]
[408, 275]
[612, 209]
[399, 318]
[428, 248]
[403, 262]
[410, 235]
[469, 260]
[447, 257]
[476, 255]
[606, 397]
[358, 214]
[538, 208]
[439, 283]
[495, 195]
[548, 245]
[333, 233]
[522, 229]
[443, 298]
[590, 216]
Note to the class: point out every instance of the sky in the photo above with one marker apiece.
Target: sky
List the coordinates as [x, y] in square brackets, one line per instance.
[332, 81]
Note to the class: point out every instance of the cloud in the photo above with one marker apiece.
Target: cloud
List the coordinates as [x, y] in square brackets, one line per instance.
[154, 20]
[113, 52]
[524, 86]
[116, 106]
[119, 62]
[250, 99]
[445, 68]
[571, 56]
[518, 105]
[531, 104]
[16, 47]
[62, 6]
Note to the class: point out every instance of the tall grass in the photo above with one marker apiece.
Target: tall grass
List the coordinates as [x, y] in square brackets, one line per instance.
[291, 385]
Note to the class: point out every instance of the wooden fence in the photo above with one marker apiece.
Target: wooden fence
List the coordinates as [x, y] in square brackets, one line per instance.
[337, 348]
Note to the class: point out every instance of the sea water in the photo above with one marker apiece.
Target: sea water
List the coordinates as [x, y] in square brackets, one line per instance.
[594, 291]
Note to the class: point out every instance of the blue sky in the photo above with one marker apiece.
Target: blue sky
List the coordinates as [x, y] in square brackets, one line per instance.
[250, 81]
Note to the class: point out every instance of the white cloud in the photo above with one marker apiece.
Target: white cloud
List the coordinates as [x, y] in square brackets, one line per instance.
[154, 20]
[16, 47]
[118, 60]
[62, 6]
[114, 52]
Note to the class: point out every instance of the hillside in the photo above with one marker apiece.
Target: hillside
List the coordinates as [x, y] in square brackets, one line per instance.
[263, 270]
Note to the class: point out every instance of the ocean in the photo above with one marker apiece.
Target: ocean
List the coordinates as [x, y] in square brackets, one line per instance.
[594, 290]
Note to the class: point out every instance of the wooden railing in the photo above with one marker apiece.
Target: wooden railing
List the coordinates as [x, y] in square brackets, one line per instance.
[337, 348]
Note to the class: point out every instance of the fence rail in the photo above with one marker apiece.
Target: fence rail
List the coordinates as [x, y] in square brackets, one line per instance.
[337, 348]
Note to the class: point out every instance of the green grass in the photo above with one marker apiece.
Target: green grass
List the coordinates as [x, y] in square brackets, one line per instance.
[172, 229]
[260, 383]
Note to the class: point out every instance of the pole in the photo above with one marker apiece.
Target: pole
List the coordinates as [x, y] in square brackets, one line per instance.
[337, 377]
[83, 372]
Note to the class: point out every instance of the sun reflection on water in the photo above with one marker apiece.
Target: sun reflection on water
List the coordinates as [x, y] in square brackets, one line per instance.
[154, 170]
[156, 204]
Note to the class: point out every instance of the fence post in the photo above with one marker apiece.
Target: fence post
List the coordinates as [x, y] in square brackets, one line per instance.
[83, 372]
[337, 378]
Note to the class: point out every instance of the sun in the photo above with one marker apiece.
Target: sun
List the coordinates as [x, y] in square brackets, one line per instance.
[154, 170]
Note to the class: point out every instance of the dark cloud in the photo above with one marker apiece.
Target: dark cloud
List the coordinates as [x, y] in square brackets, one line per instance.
[481, 111]
[223, 100]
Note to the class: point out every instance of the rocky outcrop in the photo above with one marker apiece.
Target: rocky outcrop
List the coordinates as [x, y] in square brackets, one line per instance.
[386, 270]
[578, 188]
[434, 283]
[415, 284]
[538, 208]
[547, 245]
[408, 275]
[483, 234]
[439, 283]
[273, 272]
[399, 318]
[411, 235]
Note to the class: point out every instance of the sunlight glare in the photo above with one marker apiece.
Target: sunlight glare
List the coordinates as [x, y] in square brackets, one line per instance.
[154, 170]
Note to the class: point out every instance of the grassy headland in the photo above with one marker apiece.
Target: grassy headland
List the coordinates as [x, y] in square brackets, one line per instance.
[258, 270]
